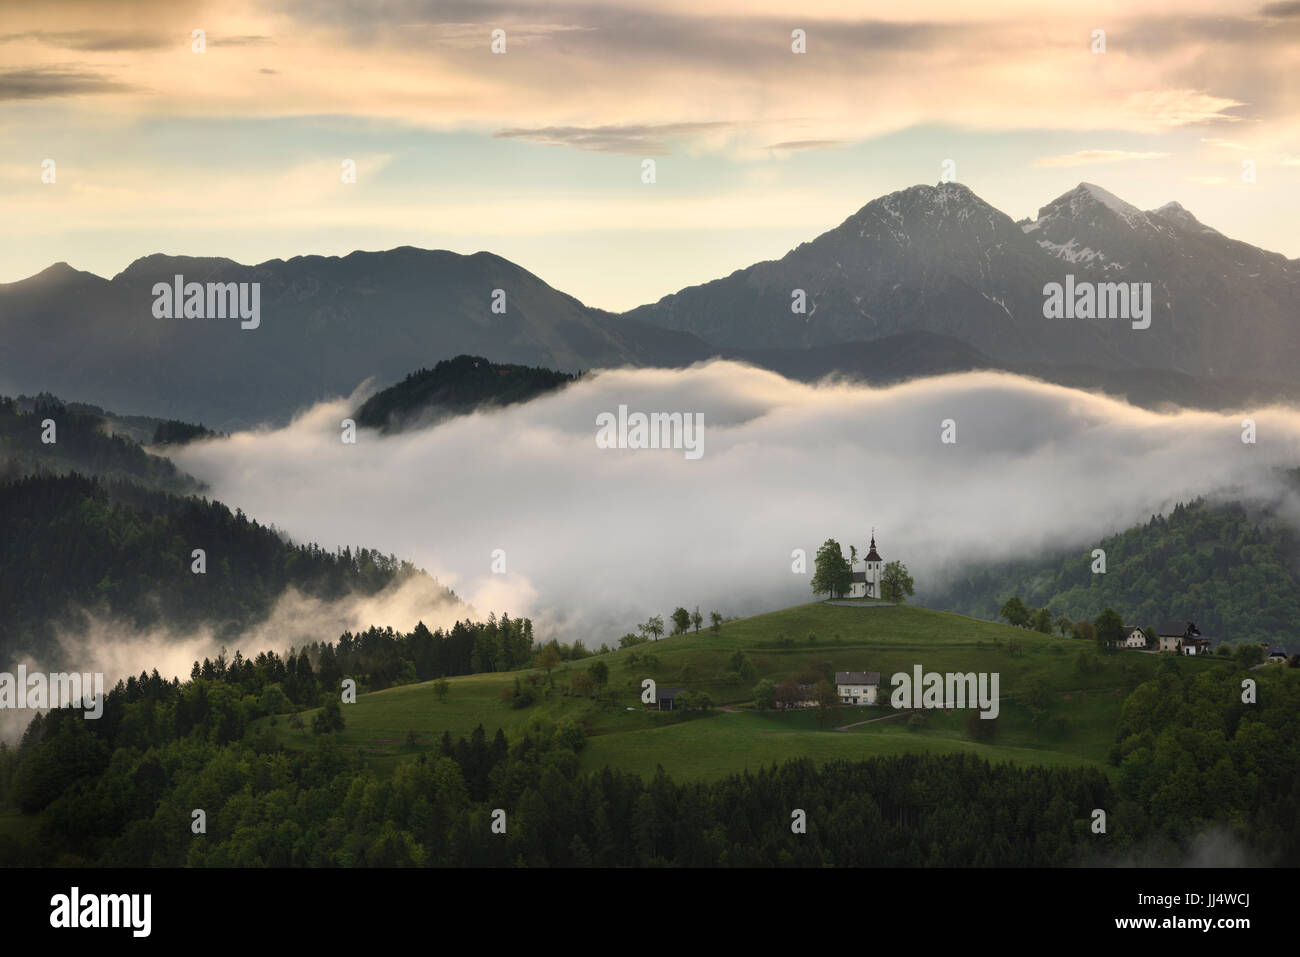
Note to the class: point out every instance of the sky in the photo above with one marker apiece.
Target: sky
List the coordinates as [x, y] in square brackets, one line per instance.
[537, 153]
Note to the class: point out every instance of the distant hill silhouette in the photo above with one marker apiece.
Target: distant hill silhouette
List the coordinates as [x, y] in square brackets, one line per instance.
[455, 387]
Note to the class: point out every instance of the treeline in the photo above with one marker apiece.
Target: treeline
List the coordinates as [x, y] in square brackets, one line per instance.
[70, 542]
[1192, 751]
[1107, 629]
[81, 444]
[176, 432]
[321, 808]
[224, 697]
[682, 623]
[1234, 573]
[455, 387]
[121, 791]
[382, 657]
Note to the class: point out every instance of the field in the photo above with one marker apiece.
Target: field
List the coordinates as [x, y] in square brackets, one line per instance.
[396, 724]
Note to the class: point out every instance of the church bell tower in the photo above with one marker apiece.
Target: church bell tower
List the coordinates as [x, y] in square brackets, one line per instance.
[874, 569]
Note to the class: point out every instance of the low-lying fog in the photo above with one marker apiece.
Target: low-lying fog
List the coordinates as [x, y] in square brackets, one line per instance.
[596, 539]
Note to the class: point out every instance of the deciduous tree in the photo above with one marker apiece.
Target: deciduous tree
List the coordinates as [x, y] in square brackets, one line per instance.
[828, 699]
[1015, 612]
[681, 621]
[895, 582]
[832, 573]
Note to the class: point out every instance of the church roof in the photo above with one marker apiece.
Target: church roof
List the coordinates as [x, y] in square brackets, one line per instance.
[873, 555]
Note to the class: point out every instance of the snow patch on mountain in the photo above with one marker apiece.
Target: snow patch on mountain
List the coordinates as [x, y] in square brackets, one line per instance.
[1071, 251]
[999, 302]
[1126, 211]
[1176, 213]
[1081, 203]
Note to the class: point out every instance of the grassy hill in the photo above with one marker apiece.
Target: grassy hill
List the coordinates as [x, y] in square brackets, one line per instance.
[394, 725]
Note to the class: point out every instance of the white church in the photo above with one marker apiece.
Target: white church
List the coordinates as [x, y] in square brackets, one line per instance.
[867, 573]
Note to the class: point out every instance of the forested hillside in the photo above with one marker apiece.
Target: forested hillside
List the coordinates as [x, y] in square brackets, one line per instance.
[1233, 571]
[69, 542]
[455, 387]
[120, 790]
[81, 442]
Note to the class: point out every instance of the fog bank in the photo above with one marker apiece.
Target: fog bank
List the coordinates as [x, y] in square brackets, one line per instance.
[596, 539]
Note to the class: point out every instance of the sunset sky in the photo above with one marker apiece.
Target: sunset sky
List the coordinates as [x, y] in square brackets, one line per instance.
[536, 154]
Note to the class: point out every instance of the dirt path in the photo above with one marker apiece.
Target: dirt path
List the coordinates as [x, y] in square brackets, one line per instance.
[871, 720]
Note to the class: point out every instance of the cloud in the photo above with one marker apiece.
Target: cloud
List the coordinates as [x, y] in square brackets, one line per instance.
[596, 539]
[581, 71]
[1180, 107]
[96, 41]
[240, 41]
[1291, 8]
[44, 82]
[1224, 144]
[646, 140]
[809, 145]
[1092, 157]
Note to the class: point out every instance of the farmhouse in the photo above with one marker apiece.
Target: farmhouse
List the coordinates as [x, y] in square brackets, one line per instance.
[1173, 632]
[666, 698]
[866, 582]
[1134, 637]
[857, 687]
[1276, 657]
[1196, 646]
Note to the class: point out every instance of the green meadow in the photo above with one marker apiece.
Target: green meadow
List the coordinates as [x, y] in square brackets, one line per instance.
[397, 724]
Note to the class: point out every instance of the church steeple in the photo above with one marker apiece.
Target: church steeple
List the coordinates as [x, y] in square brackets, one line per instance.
[873, 555]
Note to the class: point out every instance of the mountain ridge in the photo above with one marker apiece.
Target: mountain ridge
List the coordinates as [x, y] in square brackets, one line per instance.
[940, 259]
[925, 260]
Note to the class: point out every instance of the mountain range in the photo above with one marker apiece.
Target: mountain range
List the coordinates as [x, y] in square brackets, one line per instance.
[328, 323]
[939, 259]
[925, 280]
